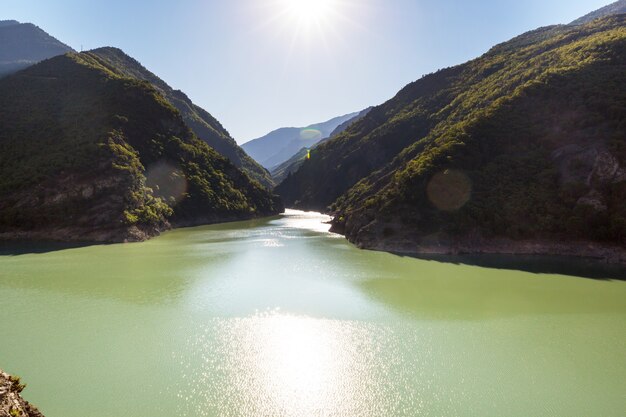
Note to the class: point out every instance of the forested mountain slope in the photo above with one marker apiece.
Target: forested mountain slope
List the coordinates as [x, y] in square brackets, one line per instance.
[526, 143]
[205, 126]
[87, 153]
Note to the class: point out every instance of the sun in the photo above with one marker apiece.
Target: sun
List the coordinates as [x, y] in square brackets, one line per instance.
[309, 11]
[308, 24]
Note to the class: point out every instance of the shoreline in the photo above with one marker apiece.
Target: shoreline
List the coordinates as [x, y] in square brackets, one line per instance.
[401, 239]
[580, 250]
[11, 401]
[132, 234]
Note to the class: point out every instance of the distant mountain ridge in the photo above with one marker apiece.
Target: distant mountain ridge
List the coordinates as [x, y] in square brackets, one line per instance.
[8, 23]
[281, 144]
[612, 9]
[24, 44]
[281, 171]
[339, 129]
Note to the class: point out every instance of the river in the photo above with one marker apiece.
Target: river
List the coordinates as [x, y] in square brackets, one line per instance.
[279, 317]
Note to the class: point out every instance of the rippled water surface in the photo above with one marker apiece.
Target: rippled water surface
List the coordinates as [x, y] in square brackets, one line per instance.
[278, 317]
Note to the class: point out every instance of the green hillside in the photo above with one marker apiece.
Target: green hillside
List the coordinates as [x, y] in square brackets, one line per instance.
[205, 126]
[89, 154]
[525, 142]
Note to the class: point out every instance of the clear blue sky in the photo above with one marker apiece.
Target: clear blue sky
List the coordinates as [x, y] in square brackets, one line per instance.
[258, 65]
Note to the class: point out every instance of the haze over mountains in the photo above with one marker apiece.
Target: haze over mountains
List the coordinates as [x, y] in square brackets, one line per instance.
[24, 44]
[522, 150]
[281, 144]
[291, 165]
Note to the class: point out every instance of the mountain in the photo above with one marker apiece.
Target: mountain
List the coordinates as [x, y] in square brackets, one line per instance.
[11, 401]
[522, 150]
[278, 146]
[205, 126]
[339, 129]
[88, 153]
[612, 9]
[24, 44]
[291, 165]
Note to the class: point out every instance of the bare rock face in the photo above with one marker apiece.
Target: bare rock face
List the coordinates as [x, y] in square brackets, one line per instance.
[73, 207]
[594, 200]
[11, 402]
[604, 170]
[575, 163]
[593, 167]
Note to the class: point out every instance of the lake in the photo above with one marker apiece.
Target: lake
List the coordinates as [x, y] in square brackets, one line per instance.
[279, 317]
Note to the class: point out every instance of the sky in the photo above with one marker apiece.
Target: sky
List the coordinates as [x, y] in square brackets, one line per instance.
[258, 65]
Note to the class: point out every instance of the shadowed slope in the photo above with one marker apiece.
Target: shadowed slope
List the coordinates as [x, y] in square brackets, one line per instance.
[89, 154]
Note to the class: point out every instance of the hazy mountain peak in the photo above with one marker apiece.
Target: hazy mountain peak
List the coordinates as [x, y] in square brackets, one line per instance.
[24, 44]
[618, 7]
[4, 23]
[281, 144]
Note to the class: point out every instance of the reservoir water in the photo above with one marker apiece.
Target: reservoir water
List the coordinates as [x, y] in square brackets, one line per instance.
[279, 317]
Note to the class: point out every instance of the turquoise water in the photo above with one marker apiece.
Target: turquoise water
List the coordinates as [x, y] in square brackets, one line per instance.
[278, 317]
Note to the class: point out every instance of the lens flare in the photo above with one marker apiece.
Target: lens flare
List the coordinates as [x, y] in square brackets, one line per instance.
[166, 182]
[449, 190]
[310, 134]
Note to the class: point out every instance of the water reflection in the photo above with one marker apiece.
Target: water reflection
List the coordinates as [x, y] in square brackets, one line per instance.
[342, 332]
[273, 364]
[305, 221]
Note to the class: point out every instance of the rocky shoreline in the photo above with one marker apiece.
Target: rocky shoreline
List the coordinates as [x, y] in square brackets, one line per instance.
[581, 249]
[11, 402]
[400, 239]
[82, 235]
[120, 235]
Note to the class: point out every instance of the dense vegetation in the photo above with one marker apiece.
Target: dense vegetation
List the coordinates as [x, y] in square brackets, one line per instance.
[205, 126]
[525, 142]
[83, 145]
[24, 44]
